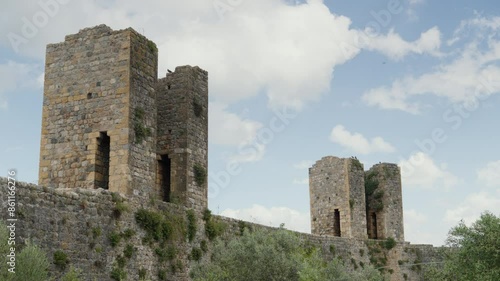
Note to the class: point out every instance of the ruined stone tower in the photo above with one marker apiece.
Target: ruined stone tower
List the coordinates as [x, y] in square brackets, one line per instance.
[337, 197]
[384, 202]
[348, 202]
[109, 123]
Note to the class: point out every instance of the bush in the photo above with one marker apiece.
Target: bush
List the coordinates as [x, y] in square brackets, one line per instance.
[114, 239]
[73, 274]
[200, 174]
[196, 254]
[192, 227]
[32, 264]
[389, 243]
[60, 259]
[264, 255]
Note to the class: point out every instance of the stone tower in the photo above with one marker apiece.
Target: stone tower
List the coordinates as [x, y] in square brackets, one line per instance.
[108, 123]
[337, 198]
[384, 202]
[182, 99]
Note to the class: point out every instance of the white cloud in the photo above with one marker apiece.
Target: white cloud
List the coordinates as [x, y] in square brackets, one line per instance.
[417, 230]
[358, 143]
[472, 207]
[274, 216]
[490, 174]
[14, 77]
[420, 171]
[304, 164]
[395, 47]
[301, 181]
[227, 128]
[468, 78]
[286, 51]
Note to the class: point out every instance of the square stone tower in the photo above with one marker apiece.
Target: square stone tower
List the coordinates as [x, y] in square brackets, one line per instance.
[384, 202]
[182, 99]
[337, 198]
[109, 123]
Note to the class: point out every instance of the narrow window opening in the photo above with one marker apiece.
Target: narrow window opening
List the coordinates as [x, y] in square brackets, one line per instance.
[336, 223]
[164, 165]
[373, 226]
[102, 161]
[89, 96]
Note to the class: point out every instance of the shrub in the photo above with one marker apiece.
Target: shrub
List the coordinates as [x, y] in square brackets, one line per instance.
[389, 243]
[128, 251]
[114, 239]
[31, 263]
[196, 254]
[200, 174]
[118, 274]
[73, 274]
[192, 227]
[60, 259]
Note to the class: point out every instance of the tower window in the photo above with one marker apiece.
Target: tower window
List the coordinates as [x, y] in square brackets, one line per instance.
[164, 166]
[102, 161]
[336, 223]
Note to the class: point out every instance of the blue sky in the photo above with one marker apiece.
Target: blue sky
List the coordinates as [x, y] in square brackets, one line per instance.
[411, 82]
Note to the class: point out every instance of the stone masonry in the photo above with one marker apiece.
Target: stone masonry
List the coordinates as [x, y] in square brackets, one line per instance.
[109, 123]
[348, 202]
[337, 197]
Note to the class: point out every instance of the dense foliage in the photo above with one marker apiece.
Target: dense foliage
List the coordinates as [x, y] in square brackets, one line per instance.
[474, 252]
[273, 255]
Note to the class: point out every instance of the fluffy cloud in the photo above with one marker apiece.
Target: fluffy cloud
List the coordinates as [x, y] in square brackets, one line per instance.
[490, 174]
[15, 77]
[301, 181]
[468, 78]
[415, 230]
[304, 164]
[227, 128]
[472, 207]
[358, 143]
[274, 216]
[286, 51]
[420, 171]
[395, 47]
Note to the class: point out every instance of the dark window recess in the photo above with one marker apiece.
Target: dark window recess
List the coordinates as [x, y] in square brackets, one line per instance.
[197, 108]
[336, 223]
[89, 96]
[168, 86]
[98, 84]
[102, 161]
[164, 177]
[372, 226]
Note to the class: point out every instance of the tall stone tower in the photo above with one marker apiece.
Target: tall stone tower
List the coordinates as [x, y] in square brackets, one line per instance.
[108, 123]
[337, 198]
[182, 99]
[384, 202]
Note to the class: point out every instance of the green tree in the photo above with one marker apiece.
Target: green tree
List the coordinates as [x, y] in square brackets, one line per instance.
[473, 253]
[264, 255]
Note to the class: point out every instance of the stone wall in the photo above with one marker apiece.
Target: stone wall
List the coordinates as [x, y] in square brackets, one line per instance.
[81, 222]
[142, 118]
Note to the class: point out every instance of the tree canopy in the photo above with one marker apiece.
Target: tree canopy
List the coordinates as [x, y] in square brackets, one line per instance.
[263, 255]
[473, 252]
